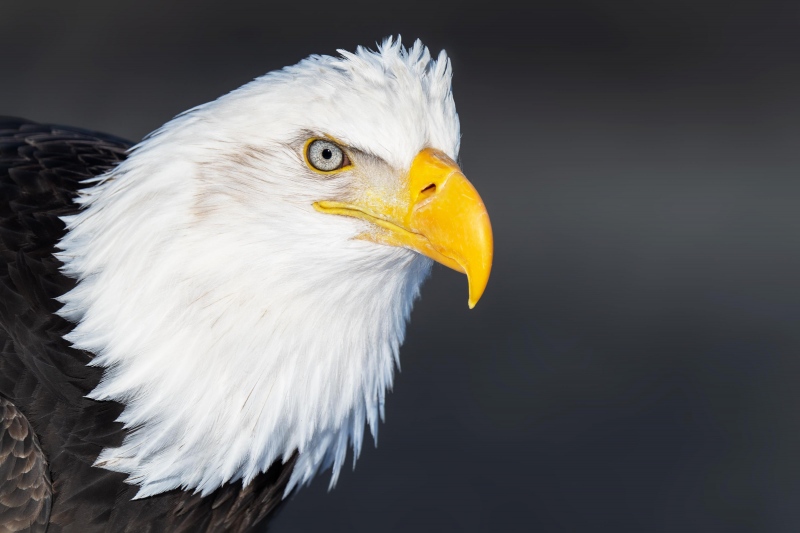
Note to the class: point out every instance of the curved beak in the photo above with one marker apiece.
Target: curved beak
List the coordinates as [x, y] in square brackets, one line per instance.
[440, 215]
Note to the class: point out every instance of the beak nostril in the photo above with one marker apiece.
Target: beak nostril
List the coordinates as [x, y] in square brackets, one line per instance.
[426, 192]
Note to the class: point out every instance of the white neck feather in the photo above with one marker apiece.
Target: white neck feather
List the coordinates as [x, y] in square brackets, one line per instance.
[229, 354]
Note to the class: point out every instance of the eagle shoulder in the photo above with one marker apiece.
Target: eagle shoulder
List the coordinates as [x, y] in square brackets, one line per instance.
[26, 492]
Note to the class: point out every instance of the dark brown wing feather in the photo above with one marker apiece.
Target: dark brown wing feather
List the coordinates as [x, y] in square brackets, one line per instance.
[41, 169]
[25, 489]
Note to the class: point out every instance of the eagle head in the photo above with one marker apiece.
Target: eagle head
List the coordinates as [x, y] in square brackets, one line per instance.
[245, 276]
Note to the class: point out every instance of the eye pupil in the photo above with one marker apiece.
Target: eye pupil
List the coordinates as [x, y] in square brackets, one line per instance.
[327, 154]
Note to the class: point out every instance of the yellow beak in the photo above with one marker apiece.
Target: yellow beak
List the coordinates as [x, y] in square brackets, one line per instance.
[439, 214]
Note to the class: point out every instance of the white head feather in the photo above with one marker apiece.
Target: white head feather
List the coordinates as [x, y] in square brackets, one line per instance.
[235, 323]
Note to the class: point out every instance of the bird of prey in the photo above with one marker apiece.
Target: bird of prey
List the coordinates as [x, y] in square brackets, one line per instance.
[194, 326]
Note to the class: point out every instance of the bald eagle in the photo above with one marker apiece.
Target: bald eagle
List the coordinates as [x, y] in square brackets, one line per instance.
[194, 326]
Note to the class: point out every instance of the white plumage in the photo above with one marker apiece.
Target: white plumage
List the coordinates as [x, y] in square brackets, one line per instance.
[235, 322]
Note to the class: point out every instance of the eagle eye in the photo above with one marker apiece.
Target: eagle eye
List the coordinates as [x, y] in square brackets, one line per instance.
[325, 156]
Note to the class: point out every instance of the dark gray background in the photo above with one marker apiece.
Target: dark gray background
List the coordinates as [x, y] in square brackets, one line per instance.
[634, 363]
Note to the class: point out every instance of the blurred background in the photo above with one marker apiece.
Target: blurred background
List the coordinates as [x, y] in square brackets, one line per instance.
[634, 363]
